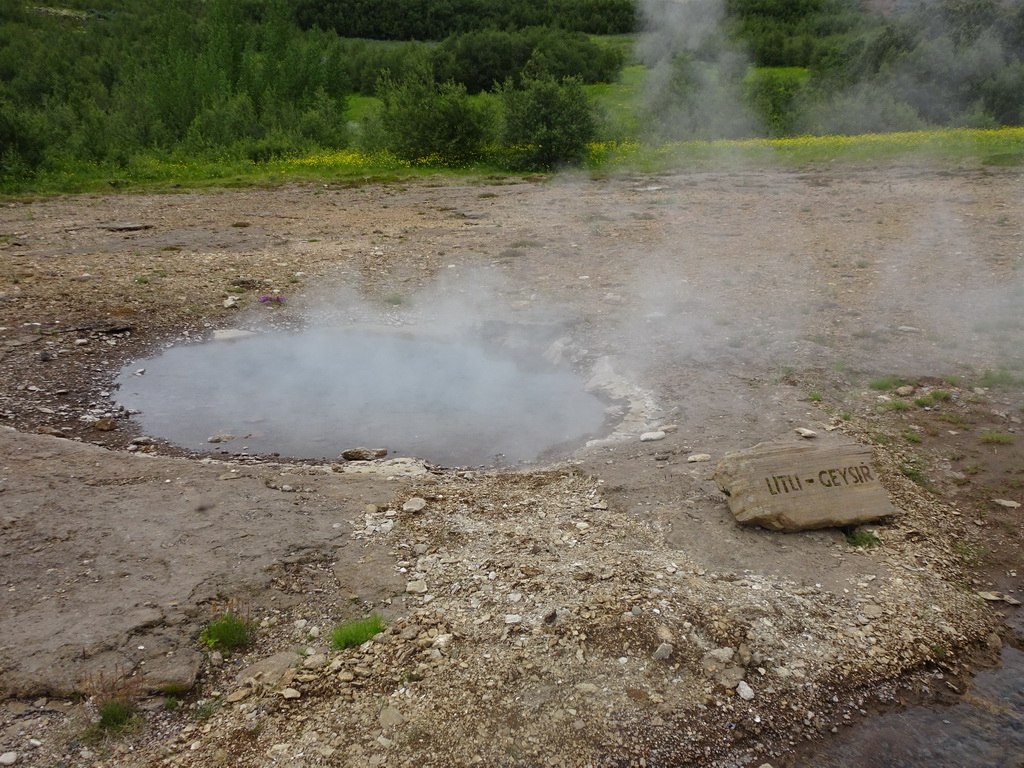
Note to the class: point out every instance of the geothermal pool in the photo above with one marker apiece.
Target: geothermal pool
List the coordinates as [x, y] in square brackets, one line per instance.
[317, 393]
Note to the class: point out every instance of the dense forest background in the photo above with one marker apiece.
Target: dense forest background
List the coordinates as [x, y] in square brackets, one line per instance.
[504, 82]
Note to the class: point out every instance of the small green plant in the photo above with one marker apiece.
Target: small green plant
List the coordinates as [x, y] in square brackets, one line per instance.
[917, 476]
[911, 436]
[859, 537]
[896, 405]
[839, 366]
[357, 632]
[116, 698]
[394, 299]
[845, 415]
[940, 651]
[229, 630]
[1002, 379]
[142, 280]
[972, 554]
[924, 402]
[814, 396]
[955, 418]
[885, 383]
[205, 709]
[995, 437]
[941, 395]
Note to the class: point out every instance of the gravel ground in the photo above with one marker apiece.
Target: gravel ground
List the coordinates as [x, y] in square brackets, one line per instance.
[596, 606]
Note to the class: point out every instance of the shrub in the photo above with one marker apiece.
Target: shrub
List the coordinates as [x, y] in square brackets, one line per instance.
[356, 632]
[419, 118]
[116, 698]
[547, 122]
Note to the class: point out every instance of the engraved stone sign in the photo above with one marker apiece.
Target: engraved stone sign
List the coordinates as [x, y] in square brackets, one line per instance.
[787, 486]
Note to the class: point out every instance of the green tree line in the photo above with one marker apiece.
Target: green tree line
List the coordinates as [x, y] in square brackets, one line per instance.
[438, 19]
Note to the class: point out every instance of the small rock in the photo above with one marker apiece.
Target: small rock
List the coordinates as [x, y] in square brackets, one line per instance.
[391, 718]
[1006, 503]
[744, 691]
[8, 758]
[216, 658]
[415, 504]
[363, 454]
[650, 437]
[872, 611]
[699, 457]
[291, 693]
[230, 301]
[223, 437]
[105, 425]
[46, 429]
[513, 618]
[663, 652]
[315, 661]
[417, 587]
[238, 695]
[905, 391]
[668, 427]
[808, 433]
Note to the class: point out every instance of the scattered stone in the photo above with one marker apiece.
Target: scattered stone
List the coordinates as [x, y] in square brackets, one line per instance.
[130, 226]
[46, 429]
[513, 618]
[873, 611]
[804, 432]
[8, 758]
[315, 661]
[668, 428]
[418, 587]
[173, 673]
[230, 302]
[663, 652]
[363, 454]
[105, 425]
[905, 391]
[788, 486]
[220, 438]
[230, 333]
[997, 597]
[1006, 503]
[650, 437]
[698, 457]
[391, 718]
[415, 504]
[238, 695]
[744, 691]
[291, 693]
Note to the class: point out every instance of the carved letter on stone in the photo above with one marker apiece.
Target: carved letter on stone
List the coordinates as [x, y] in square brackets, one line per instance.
[789, 486]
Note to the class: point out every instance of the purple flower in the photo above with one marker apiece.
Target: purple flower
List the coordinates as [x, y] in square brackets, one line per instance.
[265, 299]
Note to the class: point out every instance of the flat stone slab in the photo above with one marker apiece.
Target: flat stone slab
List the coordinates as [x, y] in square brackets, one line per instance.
[798, 486]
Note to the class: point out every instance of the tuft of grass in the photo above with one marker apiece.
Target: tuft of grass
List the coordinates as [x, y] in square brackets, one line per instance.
[917, 476]
[357, 632]
[859, 537]
[886, 383]
[845, 415]
[911, 436]
[896, 405]
[995, 437]
[394, 299]
[1001, 379]
[814, 396]
[228, 631]
[117, 703]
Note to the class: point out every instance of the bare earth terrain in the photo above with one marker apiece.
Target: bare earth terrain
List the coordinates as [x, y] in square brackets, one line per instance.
[598, 607]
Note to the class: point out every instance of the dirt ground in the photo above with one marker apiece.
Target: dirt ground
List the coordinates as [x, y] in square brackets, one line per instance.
[596, 607]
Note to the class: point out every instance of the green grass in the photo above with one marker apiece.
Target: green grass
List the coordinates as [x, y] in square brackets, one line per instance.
[886, 383]
[356, 632]
[995, 437]
[1002, 379]
[814, 396]
[917, 476]
[117, 715]
[859, 537]
[228, 632]
[896, 405]
[911, 436]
